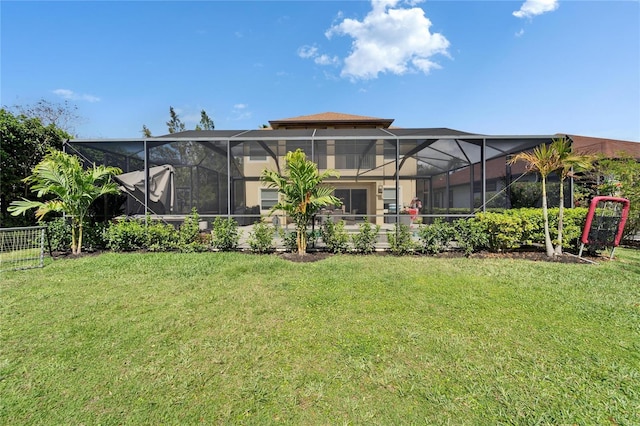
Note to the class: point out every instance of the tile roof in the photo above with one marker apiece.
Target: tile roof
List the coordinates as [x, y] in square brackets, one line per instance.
[331, 118]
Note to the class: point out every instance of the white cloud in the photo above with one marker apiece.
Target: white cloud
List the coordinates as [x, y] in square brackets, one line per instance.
[326, 60]
[71, 95]
[307, 52]
[240, 112]
[520, 33]
[390, 39]
[531, 8]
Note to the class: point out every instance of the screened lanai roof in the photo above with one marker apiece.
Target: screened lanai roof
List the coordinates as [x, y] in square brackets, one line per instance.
[438, 150]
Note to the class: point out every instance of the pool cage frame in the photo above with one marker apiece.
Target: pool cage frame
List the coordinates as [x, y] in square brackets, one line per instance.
[217, 172]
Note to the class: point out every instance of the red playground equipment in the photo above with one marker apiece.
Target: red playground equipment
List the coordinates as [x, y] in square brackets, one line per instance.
[605, 229]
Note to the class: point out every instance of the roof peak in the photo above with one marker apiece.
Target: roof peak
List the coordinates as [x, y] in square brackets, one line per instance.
[331, 119]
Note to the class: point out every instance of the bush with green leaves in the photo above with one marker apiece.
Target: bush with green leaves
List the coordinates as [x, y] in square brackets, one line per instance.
[261, 237]
[503, 231]
[225, 235]
[127, 235]
[160, 236]
[59, 235]
[289, 239]
[400, 241]
[470, 236]
[436, 237]
[189, 238]
[334, 236]
[95, 236]
[364, 241]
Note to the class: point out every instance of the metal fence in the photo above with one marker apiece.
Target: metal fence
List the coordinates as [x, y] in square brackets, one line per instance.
[21, 248]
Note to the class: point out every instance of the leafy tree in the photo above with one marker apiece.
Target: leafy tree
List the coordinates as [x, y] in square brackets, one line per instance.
[543, 160]
[302, 192]
[72, 188]
[146, 132]
[620, 177]
[25, 142]
[174, 124]
[569, 162]
[206, 123]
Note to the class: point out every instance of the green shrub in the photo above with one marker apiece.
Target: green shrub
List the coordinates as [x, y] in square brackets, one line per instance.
[160, 236]
[289, 241]
[225, 235]
[334, 236]
[365, 240]
[400, 241]
[189, 238]
[127, 235]
[94, 236]
[435, 238]
[503, 231]
[261, 237]
[470, 236]
[59, 234]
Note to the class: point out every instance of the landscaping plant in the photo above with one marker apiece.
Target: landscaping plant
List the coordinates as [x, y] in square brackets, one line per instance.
[71, 189]
[334, 236]
[400, 241]
[436, 237]
[261, 237]
[225, 235]
[364, 241]
[301, 191]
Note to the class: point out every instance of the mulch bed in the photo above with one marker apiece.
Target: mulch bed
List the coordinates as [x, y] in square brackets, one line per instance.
[525, 254]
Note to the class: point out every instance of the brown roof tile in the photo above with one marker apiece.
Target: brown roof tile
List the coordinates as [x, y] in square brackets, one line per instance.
[325, 119]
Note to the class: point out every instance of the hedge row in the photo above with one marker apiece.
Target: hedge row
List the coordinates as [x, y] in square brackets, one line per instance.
[491, 231]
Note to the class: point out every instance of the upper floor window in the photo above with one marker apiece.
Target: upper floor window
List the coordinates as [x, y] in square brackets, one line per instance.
[355, 154]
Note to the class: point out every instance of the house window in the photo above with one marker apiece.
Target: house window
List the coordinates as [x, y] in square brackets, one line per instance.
[358, 154]
[389, 150]
[257, 153]
[268, 198]
[389, 198]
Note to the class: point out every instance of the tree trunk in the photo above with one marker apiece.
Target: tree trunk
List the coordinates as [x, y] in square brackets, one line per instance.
[558, 250]
[301, 239]
[545, 214]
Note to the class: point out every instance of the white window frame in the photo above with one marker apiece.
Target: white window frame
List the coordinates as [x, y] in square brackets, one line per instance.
[271, 191]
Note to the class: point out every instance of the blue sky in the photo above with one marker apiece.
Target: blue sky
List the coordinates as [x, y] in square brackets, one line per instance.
[492, 67]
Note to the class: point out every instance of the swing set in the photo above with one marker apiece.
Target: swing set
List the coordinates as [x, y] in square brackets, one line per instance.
[605, 223]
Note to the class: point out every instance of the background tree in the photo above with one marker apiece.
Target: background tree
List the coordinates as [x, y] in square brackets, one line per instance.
[206, 123]
[72, 188]
[544, 160]
[174, 124]
[620, 177]
[568, 162]
[146, 132]
[64, 115]
[302, 192]
[23, 143]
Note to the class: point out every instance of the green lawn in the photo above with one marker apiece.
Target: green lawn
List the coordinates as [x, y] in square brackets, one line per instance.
[226, 338]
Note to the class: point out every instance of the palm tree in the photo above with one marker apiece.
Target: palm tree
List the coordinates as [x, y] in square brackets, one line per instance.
[73, 189]
[302, 193]
[569, 162]
[544, 160]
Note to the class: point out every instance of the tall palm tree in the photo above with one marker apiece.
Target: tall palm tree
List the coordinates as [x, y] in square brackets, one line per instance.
[568, 162]
[544, 160]
[73, 189]
[302, 192]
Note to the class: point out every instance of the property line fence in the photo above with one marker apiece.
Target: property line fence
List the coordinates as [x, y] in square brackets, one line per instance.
[22, 248]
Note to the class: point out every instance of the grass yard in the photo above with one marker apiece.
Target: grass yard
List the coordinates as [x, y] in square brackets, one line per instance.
[231, 338]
